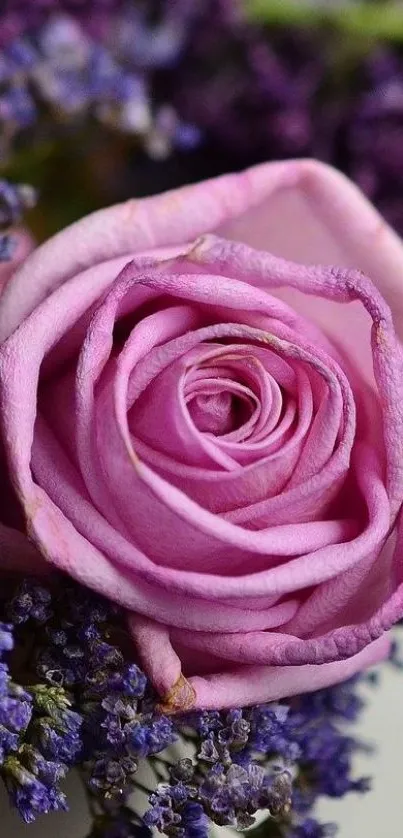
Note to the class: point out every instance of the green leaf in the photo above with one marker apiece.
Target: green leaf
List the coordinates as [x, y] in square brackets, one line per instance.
[374, 20]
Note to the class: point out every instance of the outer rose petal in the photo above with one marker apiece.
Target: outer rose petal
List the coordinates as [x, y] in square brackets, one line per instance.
[16, 552]
[244, 684]
[330, 218]
[253, 685]
[332, 222]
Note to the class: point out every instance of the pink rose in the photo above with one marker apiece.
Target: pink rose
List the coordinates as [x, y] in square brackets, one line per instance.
[211, 435]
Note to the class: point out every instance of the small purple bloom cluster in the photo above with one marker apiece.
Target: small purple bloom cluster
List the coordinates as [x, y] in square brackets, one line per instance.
[274, 757]
[14, 200]
[33, 784]
[31, 776]
[39, 731]
[31, 602]
[15, 703]
[119, 722]
[71, 696]
[92, 60]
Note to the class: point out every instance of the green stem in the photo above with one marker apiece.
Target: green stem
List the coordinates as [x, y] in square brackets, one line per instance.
[380, 21]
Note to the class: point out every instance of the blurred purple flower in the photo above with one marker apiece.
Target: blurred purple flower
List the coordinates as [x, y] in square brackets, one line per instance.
[371, 134]
[252, 91]
[95, 59]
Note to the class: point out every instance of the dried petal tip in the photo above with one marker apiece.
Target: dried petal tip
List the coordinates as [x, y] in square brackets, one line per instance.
[180, 698]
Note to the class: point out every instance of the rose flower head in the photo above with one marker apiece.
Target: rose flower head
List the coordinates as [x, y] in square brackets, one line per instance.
[203, 420]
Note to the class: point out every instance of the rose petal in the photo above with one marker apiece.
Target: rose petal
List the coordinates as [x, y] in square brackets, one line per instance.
[253, 685]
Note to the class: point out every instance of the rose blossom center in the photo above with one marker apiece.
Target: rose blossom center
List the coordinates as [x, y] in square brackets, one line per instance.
[224, 400]
[219, 412]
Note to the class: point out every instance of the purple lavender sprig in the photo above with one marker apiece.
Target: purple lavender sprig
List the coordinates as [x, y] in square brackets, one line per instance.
[15, 199]
[80, 61]
[304, 755]
[31, 602]
[34, 790]
[39, 733]
[15, 702]
[81, 700]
